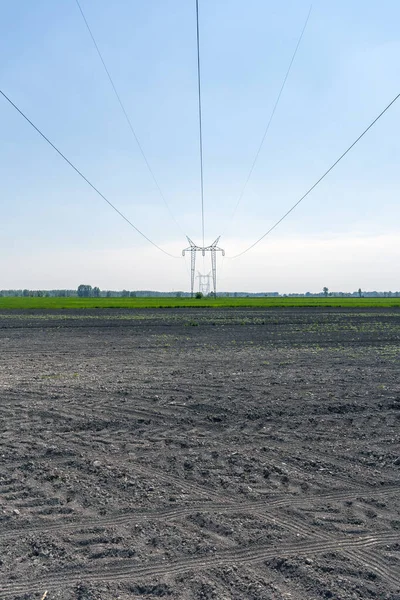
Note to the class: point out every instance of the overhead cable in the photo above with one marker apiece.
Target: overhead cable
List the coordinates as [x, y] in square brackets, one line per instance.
[320, 179]
[83, 177]
[200, 121]
[128, 120]
[271, 115]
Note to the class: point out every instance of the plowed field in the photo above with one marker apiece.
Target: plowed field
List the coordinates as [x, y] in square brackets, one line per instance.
[242, 454]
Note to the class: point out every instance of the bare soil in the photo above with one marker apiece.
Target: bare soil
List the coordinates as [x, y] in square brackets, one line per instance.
[200, 454]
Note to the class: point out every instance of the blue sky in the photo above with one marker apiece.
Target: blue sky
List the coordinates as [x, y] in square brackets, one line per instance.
[55, 232]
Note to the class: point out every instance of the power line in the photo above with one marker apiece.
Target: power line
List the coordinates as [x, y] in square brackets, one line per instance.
[127, 117]
[320, 179]
[272, 114]
[200, 120]
[83, 176]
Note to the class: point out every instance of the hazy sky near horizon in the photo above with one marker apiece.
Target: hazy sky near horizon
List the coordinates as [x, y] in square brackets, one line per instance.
[55, 232]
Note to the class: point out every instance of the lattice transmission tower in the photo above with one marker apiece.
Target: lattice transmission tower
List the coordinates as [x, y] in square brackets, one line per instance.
[212, 249]
[204, 283]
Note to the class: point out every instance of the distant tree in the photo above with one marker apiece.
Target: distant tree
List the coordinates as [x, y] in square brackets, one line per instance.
[325, 290]
[39, 294]
[198, 295]
[108, 294]
[359, 292]
[96, 292]
[25, 293]
[84, 291]
[125, 294]
[132, 295]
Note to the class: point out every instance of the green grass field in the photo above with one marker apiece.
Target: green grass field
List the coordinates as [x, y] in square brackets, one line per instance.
[82, 303]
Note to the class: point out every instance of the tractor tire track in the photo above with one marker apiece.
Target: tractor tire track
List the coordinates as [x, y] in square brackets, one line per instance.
[125, 571]
[256, 507]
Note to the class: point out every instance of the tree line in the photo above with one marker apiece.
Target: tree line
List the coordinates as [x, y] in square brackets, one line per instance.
[88, 291]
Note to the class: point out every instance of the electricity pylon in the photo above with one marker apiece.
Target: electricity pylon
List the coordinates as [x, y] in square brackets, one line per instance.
[213, 249]
[204, 283]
